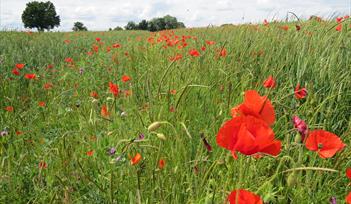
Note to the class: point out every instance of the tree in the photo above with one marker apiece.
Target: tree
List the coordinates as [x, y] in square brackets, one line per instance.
[143, 25]
[79, 26]
[40, 15]
[118, 28]
[131, 25]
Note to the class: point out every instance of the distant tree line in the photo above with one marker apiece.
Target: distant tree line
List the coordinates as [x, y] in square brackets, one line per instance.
[156, 24]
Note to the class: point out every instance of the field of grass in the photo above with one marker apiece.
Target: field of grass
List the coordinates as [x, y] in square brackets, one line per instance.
[56, 143]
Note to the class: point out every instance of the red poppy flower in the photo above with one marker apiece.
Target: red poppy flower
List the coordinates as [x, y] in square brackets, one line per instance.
[223, 52]
[248, 135]
[257, 106]
[20, 66]
[43, 165]
[136, 159]
[116, 45]
[48, 86]
[41, 104]
[203, 48]
[242, 196]
[265, 22]
[348, 198]
[30, 76]
[90, 153]
[19, 132]
[94, 94]
[173, 92]
[348, 173]
[325, 143]
[9, 108]
[98, 39]
[125, 78]
[50, 66]
[15, 72]
[300, 93]
[114, 89]
[161, 164]
[339, 27]
[194, 53]
[176, 57]
[286, 28]
[339, 19]
[104, 112]
[69, 60]
[269, 82]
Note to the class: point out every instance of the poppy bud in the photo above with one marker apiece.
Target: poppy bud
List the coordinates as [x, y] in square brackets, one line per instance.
[161, 136]
[154, 126]
[291, 181]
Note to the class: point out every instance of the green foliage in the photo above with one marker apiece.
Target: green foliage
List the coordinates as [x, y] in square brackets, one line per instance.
[317, 57]
[118, 28]
[40, 15]
[79, 26]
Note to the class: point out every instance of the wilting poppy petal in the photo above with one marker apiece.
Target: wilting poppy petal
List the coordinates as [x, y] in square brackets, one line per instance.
[242, 196]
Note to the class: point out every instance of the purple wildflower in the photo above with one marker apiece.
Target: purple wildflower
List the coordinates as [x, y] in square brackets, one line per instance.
[332, 200]
[301, 127]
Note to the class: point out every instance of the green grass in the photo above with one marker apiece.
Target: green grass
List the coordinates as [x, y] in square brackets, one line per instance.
[208, 86]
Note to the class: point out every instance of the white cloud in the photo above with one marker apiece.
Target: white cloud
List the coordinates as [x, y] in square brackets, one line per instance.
[102, 14]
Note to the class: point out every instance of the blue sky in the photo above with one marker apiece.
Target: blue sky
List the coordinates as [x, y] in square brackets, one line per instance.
[103, 14]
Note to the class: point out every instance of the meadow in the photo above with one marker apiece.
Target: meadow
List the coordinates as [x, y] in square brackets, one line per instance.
[134, 117]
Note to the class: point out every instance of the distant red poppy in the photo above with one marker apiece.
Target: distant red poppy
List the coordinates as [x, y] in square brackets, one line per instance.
[104, 112]
[265, 22]
[69, 60]
[209, 42]
[203, 48]
[136, 159]
[194, 53]
[94, 94]
[173, 92]
[300, 93]
[20, 66]
[248, 135]
[98, 39]
[48, 86]
[348, 173]
[269, 82]
[325, 143]
[348, 198]
[114, 89]
[9, 108]
[257, 106]
[43, 165]
[161, 164]
[90, 153]
[116, 45]
[339, 19]
[339, 27]
[41, 104]
[176, 57]
[50, 66]
[126, 78]
[223, 52]
[15, 72]
[286, 28]
[242, 196]
[30, 76]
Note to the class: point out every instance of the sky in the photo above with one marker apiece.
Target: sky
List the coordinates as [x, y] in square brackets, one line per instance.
[99, 15]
